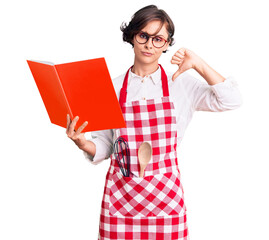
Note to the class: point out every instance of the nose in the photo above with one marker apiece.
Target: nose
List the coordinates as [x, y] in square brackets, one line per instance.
[148, 44]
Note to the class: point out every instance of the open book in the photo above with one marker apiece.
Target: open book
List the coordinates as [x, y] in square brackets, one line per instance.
[82, 88]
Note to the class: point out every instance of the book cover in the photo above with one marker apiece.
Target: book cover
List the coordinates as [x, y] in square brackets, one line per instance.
[82, 88]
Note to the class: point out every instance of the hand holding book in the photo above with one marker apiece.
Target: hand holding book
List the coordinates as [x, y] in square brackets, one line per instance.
[78, 137]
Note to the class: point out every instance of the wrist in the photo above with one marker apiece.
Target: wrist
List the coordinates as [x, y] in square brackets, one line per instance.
[81, 146]
[88, 146]
[199, 66]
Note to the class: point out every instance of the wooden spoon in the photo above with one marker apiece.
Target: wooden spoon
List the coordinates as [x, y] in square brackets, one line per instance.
[144, 156]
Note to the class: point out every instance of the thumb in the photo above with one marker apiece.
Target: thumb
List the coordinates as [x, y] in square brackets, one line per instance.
[176, 74]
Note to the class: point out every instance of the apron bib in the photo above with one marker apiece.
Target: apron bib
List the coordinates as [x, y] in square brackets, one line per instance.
[151, 207]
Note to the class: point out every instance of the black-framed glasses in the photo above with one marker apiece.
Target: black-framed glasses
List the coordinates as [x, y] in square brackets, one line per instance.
[157, 41]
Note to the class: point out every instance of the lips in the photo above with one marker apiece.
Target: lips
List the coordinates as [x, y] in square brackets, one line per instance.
[147, 54]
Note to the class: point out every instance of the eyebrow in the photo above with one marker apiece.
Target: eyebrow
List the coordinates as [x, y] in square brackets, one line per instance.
[158, 35]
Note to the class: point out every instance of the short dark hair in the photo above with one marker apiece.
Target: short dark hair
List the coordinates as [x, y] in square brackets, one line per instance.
[141, 18]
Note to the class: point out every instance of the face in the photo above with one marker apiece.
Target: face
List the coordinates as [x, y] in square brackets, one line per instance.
[146, 53]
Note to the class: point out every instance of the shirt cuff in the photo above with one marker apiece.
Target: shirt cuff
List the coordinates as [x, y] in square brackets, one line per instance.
[228, 90]
[222, 87]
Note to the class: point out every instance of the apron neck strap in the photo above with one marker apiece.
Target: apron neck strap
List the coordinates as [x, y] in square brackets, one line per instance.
[123, 91]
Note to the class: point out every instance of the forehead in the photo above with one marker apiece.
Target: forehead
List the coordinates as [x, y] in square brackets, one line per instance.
[155, 27]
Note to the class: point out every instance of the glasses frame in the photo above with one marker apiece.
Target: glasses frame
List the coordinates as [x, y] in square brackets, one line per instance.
[150, 36]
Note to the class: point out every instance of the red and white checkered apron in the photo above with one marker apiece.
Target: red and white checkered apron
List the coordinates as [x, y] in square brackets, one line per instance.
[151, 207]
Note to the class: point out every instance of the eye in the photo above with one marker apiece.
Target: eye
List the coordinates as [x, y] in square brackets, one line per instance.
[157, 39]
[143, 35]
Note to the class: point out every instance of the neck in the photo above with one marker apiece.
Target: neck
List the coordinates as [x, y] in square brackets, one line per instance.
[142, 69]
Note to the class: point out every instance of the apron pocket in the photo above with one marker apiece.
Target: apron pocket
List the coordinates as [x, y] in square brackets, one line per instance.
[158, 195]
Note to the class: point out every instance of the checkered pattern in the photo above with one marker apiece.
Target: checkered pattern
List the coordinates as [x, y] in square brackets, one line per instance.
[157, 228]
[153, 121]
[158, 195]
[151, 207]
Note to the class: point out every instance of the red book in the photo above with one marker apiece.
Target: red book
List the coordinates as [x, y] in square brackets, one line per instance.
[83, 89]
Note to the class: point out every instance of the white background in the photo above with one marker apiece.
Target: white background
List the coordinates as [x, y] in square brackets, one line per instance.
[50, 191]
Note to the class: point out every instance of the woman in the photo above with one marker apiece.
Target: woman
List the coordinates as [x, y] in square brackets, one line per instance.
[157, 108]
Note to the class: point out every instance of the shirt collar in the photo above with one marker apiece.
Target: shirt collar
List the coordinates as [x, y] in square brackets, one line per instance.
[155, 76]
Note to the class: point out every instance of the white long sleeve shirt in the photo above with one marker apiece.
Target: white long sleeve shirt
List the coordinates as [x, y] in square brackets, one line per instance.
[188, 93]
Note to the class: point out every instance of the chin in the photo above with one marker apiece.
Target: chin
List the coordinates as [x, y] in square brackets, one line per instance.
[147, 60]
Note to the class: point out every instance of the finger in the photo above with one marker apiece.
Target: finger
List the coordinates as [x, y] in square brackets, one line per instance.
[68, 121]
[179, 54]
[68, 125]
[176, 74]
[73, 123]
[177, 58]
[182, 51]
[176, 62]
[81, 127]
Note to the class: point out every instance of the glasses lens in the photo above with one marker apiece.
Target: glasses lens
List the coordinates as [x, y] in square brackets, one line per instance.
[141, 37]
[158, 42]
